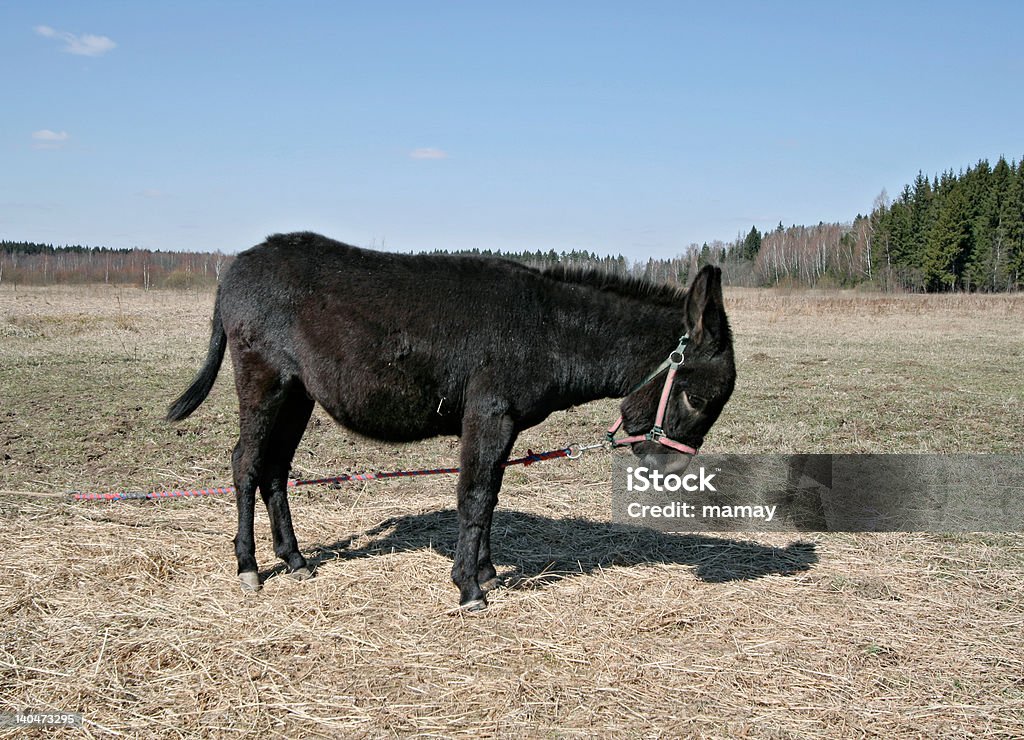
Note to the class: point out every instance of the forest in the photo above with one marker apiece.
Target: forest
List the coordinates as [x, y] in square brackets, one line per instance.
[960, 231]
[29, 263]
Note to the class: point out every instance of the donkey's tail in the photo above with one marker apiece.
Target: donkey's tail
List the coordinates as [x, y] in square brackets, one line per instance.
[197, 392]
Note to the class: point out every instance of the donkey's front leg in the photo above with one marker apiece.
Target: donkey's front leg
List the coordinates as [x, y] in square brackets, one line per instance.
[487, 437]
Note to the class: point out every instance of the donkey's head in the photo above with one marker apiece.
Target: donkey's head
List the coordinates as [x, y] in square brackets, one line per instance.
[701, 385]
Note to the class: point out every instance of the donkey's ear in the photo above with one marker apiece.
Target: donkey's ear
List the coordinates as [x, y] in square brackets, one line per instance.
[704, 307]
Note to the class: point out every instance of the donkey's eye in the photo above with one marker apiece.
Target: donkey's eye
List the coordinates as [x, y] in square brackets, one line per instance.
[698, 402]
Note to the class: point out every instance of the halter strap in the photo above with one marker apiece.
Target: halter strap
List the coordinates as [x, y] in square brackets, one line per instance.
[657, 432]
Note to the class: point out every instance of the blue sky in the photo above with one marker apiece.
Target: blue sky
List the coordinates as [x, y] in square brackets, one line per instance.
[633, 128]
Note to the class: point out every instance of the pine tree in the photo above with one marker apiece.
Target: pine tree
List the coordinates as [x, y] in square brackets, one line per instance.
[705, 256]
[947, 243]
[1011, 225]
[751, 244]
[986, 261]
[924, 205]
[1001, 181]
[900, 260]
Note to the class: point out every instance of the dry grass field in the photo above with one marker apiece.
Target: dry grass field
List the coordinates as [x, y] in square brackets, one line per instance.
[130, 613]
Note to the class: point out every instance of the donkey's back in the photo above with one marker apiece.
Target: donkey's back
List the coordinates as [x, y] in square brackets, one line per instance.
[386, 343]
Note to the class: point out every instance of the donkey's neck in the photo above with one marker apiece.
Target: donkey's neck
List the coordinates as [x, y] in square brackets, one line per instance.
[613, 342]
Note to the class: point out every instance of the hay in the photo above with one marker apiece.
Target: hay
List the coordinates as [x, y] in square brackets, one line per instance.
[130, 613]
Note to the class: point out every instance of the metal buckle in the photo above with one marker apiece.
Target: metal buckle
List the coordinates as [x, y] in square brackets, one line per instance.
[581, 448]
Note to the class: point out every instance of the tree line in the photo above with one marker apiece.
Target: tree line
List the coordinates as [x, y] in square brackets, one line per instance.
[954, 231]
[31, 263]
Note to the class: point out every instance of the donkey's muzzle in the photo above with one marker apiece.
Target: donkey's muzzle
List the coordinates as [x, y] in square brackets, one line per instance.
[654, 456]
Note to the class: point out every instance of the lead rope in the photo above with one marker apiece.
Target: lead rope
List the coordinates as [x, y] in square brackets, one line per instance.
[572, 452]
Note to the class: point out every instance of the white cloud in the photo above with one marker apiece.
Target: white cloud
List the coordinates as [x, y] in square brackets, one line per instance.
[428, 152]
[85, 44]
[44, 138]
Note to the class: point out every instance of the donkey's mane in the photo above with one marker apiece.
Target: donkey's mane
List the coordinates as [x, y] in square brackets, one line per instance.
[630, 287]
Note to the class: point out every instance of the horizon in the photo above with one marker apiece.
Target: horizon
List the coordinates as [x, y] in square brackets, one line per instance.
[413, 128]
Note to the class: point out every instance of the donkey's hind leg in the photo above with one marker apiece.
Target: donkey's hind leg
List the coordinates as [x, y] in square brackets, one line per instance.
[291, 422]
[260, 395]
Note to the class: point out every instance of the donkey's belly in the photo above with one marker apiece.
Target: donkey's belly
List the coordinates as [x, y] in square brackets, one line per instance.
[391, 417]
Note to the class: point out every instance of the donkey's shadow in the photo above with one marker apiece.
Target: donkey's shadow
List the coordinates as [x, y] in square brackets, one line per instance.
[541, 549]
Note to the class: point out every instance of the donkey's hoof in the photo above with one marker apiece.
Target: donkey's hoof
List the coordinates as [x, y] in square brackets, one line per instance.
[250, 581]
[301, 574]
[476, 605]
[490, 584]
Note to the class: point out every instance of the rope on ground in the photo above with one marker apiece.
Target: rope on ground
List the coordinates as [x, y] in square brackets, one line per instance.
[33, 494]
[530, 458]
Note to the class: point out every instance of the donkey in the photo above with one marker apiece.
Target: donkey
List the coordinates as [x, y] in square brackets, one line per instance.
[404, 347]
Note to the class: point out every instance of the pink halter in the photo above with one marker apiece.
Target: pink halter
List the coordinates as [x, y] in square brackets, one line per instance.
[657, 433]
